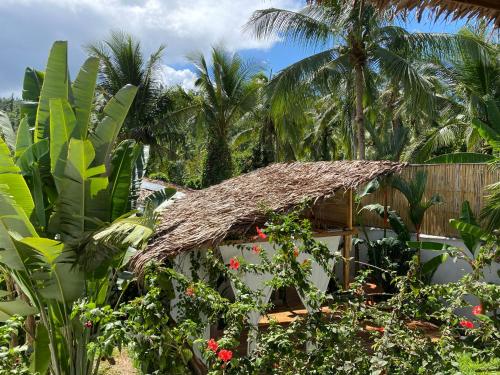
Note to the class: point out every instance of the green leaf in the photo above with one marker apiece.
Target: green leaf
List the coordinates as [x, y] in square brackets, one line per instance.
[60, 279]
[122, 165]
[12, 219]
[470, 229]
[23, 139]
[106, 132]
[460, 157]
[432, 265]
[83, 94]
[31, 155]
[40, 359]
[6, 131]
[16, 307]
[55, 86]
[10, 176]
[82, 193]
[467, 216]
[62, 125]
[487, 133]
[370, 187]
[32, 85]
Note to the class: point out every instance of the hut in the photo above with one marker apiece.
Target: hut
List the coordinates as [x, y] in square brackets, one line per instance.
[231, 210]
[226, 215]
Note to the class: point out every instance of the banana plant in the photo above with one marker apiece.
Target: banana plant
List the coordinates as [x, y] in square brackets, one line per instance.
[66, 228]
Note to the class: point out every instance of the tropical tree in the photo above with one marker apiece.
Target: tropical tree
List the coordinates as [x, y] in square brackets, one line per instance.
[226, 94]
[123, 62]
[414, 191]
[360, 42]
[65, 225]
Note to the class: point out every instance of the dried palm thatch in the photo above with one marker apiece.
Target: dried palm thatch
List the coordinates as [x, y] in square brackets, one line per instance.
[454, 9]
[233, 208]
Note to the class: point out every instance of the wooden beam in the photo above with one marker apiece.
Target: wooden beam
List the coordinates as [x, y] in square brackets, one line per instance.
[347, 242]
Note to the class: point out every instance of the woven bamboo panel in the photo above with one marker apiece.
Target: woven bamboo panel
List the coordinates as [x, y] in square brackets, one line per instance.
[455, 183]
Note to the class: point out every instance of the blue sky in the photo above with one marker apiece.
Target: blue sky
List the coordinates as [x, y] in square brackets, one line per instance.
[30, 26]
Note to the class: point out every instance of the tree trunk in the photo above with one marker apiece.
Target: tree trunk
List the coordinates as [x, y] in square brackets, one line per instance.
[359, 119]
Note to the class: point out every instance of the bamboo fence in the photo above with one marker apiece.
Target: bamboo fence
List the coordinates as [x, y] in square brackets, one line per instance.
[455, 183]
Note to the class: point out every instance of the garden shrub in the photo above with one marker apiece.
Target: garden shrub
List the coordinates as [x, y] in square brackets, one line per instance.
[355, 336]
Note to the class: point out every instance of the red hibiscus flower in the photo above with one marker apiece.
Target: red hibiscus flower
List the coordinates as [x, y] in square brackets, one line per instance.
[477, 310]
[295, 252]
[190, 291]
[212, 345]
[88, 324]
[467, 324]
[225, 355]
[256, 249]
[260, 233]
[234, 264]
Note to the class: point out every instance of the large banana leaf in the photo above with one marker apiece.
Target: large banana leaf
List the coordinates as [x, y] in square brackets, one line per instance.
[106, 132]
[23, 138]
[40, 359]
[59, 278]
[13, 219]
[62, 126]
[16, 307]
[55, 86]
[6, 131]
[460, 157]
[32, 85]
[10, 175]
[82, 193]
[122, 164]
[83, 94]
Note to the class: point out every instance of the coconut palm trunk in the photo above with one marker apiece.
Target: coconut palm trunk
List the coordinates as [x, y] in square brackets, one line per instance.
[359, 119]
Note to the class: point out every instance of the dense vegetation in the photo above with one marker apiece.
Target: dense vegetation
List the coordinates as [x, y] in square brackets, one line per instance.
[73, 154]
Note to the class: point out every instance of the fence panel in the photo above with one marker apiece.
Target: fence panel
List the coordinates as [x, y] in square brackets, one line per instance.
[455, 183]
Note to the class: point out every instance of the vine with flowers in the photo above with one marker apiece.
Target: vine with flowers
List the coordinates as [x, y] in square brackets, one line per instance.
[417, 330]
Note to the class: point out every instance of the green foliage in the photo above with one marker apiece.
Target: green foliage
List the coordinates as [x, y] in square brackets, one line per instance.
[65, 225]
[13, 358]
[414, 193]
[340, 341]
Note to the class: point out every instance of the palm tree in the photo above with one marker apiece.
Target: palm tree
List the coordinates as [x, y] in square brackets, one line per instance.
[226, 94]
[360, 42]
[123, 62]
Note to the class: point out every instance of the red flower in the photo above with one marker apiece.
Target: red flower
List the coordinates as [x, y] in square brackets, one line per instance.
[190, 291]
[225, 355]
[234, 264]
[295, 252]
[477, 310]
[212, 345]
[256, 249]
[260, 233]
[467, 324]
[379, 329]
[88, 324]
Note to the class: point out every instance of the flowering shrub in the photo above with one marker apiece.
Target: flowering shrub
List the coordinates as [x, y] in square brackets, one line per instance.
[342, 334]
[13, 358]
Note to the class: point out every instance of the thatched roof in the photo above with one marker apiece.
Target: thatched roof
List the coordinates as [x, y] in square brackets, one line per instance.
[206, 217]
[488, 9]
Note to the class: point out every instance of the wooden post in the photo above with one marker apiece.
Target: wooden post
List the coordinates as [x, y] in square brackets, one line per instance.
[347, 241]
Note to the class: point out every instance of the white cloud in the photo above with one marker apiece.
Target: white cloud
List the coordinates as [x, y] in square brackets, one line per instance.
[30, 26]
[173, 77]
